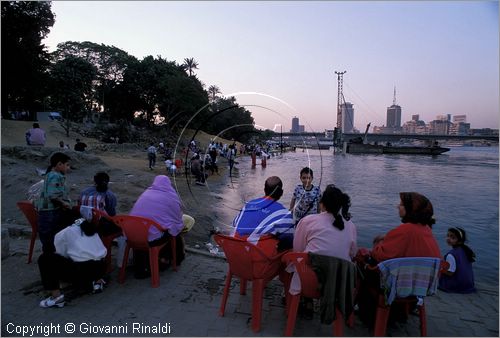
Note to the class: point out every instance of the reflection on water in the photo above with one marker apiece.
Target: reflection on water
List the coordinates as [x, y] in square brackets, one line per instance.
[462, 185]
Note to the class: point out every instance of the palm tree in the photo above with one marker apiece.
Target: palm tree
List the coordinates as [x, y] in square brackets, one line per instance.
[190, 64]
[212, 92]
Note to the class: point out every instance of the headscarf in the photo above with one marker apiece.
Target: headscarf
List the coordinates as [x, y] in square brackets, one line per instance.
[160, 203]
[418, 209]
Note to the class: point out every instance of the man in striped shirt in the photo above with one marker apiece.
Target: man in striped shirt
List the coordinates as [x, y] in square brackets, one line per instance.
[265, 215]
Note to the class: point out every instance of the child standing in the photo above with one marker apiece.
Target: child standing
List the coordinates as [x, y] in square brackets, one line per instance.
[53, 203]
[459, 278]
[306, 196]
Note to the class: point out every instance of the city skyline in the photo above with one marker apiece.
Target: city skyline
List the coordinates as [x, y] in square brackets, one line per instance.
[278, 58]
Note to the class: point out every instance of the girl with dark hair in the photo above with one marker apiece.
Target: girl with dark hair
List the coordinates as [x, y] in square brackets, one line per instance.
[331, 232]
[459, 278]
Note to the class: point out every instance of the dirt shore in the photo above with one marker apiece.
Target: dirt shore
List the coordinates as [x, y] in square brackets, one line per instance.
[125, 163]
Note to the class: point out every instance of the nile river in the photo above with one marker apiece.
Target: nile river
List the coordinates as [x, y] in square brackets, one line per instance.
[462, 184]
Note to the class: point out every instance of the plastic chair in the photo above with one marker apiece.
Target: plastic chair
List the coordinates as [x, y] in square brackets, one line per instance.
[106, 240]
[28, 209]
[249, 263]
[416, 277]
[309, 289]
[136, 231]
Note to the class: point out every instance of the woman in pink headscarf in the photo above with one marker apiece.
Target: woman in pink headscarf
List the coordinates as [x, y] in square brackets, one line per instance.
[161, 203]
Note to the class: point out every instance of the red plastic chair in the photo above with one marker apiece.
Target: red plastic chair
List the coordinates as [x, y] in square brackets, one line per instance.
[106, 240]
[136, 230]
[28, 209]
[249, 263]
[309, 289]
[383, 309]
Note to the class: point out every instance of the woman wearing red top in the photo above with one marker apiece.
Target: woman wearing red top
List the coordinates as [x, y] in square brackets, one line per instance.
[412, 238]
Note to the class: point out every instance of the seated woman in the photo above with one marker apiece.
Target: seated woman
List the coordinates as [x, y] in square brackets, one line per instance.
[161, 203]
[79, 258]
[412, 238]
[329, 233]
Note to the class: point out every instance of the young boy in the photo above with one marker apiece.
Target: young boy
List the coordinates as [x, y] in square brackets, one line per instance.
[306, 196]
[54, 204]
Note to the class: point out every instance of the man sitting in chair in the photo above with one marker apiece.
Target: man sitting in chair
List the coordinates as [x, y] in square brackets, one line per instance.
[265, 215]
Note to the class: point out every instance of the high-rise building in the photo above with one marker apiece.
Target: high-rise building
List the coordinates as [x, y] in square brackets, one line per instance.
[295, 125]
[394, 116]
[460, 118]
[415, 117]
[347, 117]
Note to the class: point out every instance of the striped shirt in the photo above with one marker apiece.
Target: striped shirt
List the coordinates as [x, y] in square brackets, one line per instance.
[99, 200]
[263, 216]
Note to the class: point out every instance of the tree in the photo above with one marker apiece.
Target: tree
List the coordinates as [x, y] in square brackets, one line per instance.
[212, 92]
[24, 58]
[229, 120]
[163, 91]
[71, 86]
[190, 64]
[111, 64]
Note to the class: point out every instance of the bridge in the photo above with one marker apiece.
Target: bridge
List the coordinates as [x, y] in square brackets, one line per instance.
[370, 137]
[318, 140]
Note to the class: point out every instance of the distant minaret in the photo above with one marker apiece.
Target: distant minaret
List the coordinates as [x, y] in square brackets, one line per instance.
[394, 99]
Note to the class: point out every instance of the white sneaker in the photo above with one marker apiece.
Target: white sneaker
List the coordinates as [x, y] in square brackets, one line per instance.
[51, 302]
[98, 286]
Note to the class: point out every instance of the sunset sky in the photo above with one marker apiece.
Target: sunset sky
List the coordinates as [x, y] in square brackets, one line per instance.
[442, 57]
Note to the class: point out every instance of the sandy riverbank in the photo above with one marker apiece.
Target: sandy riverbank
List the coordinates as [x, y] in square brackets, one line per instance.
[125, 163]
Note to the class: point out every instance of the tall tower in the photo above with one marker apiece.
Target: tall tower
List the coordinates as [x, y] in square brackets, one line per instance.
[295, 125]
[394, 114]
[347, 117]
[340, 97]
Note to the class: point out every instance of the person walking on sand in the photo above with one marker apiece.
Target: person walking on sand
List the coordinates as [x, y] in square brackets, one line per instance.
[231, 155]
[152, 155]
[35, 136]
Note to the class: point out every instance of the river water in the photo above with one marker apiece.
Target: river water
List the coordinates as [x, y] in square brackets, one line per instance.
[462, 185]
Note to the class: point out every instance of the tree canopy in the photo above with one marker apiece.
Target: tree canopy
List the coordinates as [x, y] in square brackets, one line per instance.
[24, 58]
[81, 78]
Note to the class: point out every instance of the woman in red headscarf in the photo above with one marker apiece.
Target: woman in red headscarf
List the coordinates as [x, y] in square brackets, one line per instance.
[412, 238]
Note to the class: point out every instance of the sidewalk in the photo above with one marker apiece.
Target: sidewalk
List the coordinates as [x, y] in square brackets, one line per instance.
[187, 304]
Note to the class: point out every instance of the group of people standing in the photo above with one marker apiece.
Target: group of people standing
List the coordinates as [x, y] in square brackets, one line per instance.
[320, 223]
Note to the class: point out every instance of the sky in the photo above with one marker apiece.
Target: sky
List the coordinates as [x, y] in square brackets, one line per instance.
[279, 58]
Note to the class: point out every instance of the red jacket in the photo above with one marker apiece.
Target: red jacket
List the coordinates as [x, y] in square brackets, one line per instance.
[407, 240]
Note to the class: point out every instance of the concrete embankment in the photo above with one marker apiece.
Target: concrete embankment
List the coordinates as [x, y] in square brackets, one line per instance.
[187, 303]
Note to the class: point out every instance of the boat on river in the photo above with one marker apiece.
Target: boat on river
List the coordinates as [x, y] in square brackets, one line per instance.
[360, 148]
